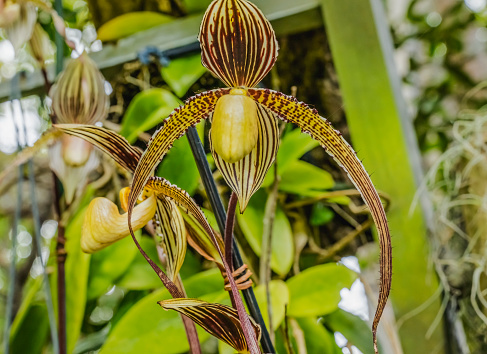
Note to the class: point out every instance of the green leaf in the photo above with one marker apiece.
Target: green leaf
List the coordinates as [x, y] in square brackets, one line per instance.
[140, 275]
[316, 290]
[318, 339]
[357, 332]
[294, 144]
[183, 72]
[130, 23]
[31, 290]
[179, 166]
[303, 178]
[383, 135]
[196, 6]
[109, 264]
[148, 329]
[148, 109]
[321, 215]
[252, 224]
[279, 300]
[32, 332]
[77, 271]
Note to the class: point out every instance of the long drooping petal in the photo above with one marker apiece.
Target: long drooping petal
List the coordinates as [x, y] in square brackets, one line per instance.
[104, 225]
[310, 122]
[246, 176]
[219, 320]
[183, 199]
[170, 227]
[196, 108]
[113, 144]
[238, 44]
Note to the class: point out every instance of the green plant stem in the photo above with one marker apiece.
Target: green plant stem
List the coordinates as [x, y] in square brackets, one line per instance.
[265, 259]
[61, 237]
[37, 228]
[38, 240]
[219, 210]
[12, 272]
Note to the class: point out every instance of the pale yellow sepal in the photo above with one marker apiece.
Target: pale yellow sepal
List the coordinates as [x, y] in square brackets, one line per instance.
[104, 225]
[234, 129]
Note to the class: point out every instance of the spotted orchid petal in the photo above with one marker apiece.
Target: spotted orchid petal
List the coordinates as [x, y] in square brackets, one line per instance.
[219, 320]
[104, 225]
[310, 122]
[111, 143]
[246, 176]
[196, 108]
[238, 43]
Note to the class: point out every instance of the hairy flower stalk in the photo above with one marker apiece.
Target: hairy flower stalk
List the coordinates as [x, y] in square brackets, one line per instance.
[239, 47]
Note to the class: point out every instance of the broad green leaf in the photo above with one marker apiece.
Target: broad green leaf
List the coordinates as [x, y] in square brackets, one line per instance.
[109, 264]
[148, 329]
[140, 275]
[321, 215]
[32, 332]
[148, 109]
[318, 339]
[31, 290]
[251, 223]
[303, 178]
[179, 166]
[196, 6]
[316, 290]
[353, 328]
[130, 23]
[183, 72]
[279, 300]
[382, 132]
[77, 271]
[294, 144]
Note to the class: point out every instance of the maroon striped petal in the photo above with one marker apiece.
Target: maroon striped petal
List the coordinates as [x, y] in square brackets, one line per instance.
[219, 320]
[171, 229]
[111, 143]
[310, 122]
[238, 43]
[246, 176]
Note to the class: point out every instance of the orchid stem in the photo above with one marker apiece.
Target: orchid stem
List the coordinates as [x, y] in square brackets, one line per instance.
[219, 210]
[171, 287]
[189, 326]
[265, 260]
[229, 225]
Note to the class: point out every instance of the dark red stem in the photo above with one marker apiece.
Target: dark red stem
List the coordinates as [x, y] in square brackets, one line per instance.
[229, 225]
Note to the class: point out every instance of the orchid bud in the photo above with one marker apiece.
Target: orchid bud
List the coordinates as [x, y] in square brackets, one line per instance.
[235, 127]
[76, 151]
[18, 20]
[103, 224]
[41, 46]
[79, 95]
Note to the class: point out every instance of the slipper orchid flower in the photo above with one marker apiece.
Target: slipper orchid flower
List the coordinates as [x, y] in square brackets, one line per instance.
[239, 46]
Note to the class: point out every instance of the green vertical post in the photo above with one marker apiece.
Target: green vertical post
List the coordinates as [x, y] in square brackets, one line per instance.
[383, 135]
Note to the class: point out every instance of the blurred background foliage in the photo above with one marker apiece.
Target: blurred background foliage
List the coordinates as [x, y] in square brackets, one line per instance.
[441, 60]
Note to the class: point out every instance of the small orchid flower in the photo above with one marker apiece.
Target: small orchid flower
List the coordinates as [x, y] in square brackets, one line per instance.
[239, 46]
